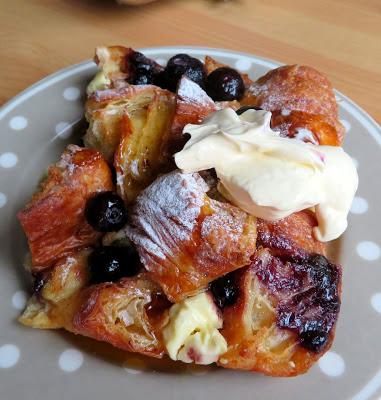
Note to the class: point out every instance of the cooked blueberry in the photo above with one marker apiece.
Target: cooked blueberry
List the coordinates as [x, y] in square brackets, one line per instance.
[144, 70]
[143, 77]
[224, 290]
[314, 340]
[307, 287]
[110, 263]
[106, 212]
[225, 84]
[183, 64]
[245, 108]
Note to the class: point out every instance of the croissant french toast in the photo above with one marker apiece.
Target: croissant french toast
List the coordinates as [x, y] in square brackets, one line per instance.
[142, 152]
[166, 235]
[294, 88]
[285, 313]
[54, 220]
[185, 239]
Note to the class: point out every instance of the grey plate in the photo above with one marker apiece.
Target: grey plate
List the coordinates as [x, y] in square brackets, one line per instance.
[35, 127]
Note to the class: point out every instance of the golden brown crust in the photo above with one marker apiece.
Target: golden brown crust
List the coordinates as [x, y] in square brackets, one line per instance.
[69, 275]
[253, 326]
[192, 106]
[296, 229]
[106, 109]
[144, 141]
[296, 88]
[254, 341]
[305, 126]
[114, 62]
[185, 239]
[128, 314]
[59, 293]
[117, 313]
[54, 220]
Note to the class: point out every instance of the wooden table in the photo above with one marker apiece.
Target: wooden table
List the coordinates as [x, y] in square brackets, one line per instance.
[339, 37]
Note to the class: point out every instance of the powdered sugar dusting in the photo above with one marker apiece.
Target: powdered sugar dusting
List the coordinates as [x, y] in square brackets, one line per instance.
[66, 160]
[185, 239]
[296, 88]
[165, 213]
[135, 167]
[285, 112]
[223, 234]
[190, 91]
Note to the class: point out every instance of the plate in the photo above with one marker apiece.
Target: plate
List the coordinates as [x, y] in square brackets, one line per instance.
[35, 127]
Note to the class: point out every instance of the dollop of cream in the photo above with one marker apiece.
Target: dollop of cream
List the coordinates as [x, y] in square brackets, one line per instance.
[270, 176]
[191, 334]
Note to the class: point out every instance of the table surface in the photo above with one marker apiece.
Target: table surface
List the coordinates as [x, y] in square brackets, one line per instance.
[341, 38]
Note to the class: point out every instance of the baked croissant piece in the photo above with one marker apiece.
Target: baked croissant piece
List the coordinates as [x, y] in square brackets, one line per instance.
[271, 298]
[302, 99]
[54, 220]
[185, 239]
[284, 316]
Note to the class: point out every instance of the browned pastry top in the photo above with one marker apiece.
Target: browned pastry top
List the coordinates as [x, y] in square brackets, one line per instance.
[54, 220]
[296, 88]
[185, 239]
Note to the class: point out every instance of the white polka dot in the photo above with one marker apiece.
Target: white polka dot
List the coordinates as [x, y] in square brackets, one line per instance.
[359, 205]
[19, 300]
[347, 125]
[3, 199]
[368, 250]
[8, 160]
[161, 62]
[332, 364]
[9, 355]
[71, 93]
[70, 360]
[243, 64]
[376, 302]
[63, 130]
[355, 162]
[18, 123]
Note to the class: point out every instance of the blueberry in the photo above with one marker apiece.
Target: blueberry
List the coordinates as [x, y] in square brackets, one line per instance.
[144, 70]
[313, 340]
[245, 108]
[225, 84]
[225, 291]
[110, 263]
[143, 77]
[106, 212]
[183, 64]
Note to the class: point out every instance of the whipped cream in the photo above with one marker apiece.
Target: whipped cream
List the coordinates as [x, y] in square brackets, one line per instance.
[192, 332]
[270, 176]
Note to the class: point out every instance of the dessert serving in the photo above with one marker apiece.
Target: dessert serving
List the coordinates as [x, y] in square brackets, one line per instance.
[193, 221]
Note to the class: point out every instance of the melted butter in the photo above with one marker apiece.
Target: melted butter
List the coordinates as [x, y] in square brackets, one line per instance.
[270, 176]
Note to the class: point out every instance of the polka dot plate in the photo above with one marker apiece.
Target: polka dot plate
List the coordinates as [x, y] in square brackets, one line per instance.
[35, 127]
